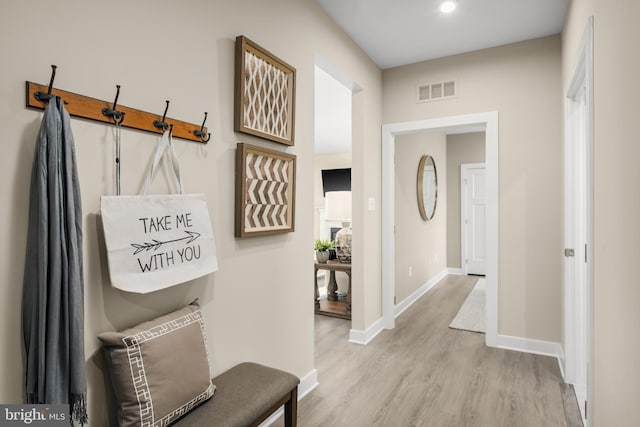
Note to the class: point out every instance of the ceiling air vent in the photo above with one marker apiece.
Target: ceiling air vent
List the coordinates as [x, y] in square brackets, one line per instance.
[436, 91]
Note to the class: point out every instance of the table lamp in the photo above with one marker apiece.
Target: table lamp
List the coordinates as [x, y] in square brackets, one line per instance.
[338, 208]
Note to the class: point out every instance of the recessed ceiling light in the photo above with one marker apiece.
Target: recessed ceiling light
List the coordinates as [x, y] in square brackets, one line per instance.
[447, 6]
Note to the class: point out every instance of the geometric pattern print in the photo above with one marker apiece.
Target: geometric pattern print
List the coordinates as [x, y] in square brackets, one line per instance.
[266, 206]
[266, 97]
[138, 374]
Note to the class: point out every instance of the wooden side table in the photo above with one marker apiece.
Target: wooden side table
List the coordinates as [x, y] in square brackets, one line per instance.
[335, 305]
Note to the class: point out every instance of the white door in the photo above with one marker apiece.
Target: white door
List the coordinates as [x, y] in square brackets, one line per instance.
[577, 238]
[578, 225]
[473, 218]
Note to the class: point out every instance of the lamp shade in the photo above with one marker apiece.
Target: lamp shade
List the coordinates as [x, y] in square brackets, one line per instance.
[338, 205]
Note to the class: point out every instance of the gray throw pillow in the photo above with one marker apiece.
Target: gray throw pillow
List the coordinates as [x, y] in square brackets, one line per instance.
[159, 369]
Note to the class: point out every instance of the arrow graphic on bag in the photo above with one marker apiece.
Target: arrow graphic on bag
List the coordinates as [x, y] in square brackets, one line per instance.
[155, 244]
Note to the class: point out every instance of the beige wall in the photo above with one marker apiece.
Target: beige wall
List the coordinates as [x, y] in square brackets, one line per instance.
[616, 311]
[522, 82]
[420, 245]
[367, 223]
[574, 25]
[184, 52]
[461, 148]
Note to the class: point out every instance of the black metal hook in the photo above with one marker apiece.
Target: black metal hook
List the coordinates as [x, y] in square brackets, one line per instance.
[171, 129]
[117, 116]
[40, 96]
[200, 133]
[161, 124]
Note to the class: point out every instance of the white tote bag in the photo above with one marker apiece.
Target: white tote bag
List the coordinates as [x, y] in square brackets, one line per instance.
[157, 241]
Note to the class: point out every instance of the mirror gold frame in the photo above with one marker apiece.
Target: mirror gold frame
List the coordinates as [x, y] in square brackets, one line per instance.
[427, 186]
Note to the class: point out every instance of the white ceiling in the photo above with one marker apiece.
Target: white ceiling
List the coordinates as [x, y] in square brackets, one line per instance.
[400, 32]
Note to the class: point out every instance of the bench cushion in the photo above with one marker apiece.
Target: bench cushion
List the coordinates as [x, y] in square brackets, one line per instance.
[159, 369]
[243, 393]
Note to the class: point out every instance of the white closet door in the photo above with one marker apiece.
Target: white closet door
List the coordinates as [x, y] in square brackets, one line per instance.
[474, 218]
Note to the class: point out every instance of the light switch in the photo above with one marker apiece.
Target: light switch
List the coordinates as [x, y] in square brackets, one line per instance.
[372, 203]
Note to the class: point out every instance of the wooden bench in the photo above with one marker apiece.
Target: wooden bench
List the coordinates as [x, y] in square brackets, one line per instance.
[246, 395]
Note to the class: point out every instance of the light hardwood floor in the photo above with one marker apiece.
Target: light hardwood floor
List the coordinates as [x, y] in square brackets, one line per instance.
[424, 374]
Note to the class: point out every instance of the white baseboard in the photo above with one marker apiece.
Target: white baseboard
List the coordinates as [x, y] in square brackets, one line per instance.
[307, 384]
[456, 271]
[408, 301]
[526, 345]
[364, 337]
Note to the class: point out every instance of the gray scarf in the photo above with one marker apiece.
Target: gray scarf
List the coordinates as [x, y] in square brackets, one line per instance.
[53, 293]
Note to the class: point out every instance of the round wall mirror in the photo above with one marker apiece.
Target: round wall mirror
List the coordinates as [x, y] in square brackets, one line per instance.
[427, 187]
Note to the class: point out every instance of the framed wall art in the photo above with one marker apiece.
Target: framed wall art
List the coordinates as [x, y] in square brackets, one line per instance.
[265, 191]
[265, 89]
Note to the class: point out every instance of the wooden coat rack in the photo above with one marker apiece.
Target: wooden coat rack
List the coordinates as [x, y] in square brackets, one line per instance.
[96, 110]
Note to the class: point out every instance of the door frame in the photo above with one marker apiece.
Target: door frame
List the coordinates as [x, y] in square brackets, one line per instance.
[487, 122]
[578, 308]
[464, 168]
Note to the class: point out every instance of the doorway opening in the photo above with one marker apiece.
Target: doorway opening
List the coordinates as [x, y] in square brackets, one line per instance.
[463, 149]
[333, 133]
[487, 122]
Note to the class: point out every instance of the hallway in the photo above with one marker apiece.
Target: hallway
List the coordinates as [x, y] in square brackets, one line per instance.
[424, 374]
